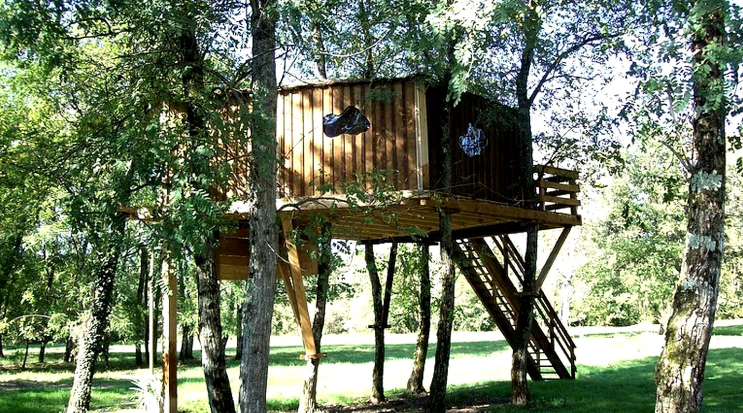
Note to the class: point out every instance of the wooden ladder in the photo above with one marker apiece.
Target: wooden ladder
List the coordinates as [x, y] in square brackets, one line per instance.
[551, 350]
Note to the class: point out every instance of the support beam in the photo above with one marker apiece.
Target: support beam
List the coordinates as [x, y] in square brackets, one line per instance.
[286, 276]
[553, 255]
[170, 331]
[299, 297]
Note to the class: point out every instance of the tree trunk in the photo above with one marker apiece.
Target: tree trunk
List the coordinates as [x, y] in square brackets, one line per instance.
[141, 316]
[69, 347]
[519, 386]
[364, 22]
[378, 372]
[93, 335]
[264, 237]
[317, 39]
[42, 351]
[680, 370]
[437, 398]
[210, 333]
[2, 354]
[186, 352]
[308, 401]
[520, 394]
[566, 291]
[415, 382]
[239, 308]
[106, 351]
[25, 357]
[210, 323]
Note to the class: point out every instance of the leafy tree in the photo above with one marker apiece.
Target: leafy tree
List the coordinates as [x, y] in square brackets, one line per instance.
[636, 247]
[680, 370]
[262, 199]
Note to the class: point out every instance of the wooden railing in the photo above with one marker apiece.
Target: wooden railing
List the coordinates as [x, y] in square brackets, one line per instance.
[557, 189]
[545, 315]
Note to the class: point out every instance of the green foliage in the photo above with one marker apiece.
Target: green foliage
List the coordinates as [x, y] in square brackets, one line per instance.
[636, 248]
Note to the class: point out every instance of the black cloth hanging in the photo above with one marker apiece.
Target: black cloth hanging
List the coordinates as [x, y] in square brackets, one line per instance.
[350, 122]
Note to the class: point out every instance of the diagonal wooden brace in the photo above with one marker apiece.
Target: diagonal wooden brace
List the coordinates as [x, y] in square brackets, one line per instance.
[295, 289]
[553, 255]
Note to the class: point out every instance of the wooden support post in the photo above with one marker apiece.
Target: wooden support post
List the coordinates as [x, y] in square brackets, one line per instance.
[151, 316]
[553, 255]
[170, 331]
[300, 299]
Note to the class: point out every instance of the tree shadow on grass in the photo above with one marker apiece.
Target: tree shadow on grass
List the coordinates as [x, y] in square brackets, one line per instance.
[359, 354]
[30, 396]
[628, 386]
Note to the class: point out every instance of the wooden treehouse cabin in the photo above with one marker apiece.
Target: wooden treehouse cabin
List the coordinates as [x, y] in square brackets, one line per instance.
[368, 159]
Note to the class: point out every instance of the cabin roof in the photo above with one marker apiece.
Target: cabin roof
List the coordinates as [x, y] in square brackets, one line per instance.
[351, 81]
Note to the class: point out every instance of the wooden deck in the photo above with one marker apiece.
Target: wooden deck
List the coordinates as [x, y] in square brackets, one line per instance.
[412, 215]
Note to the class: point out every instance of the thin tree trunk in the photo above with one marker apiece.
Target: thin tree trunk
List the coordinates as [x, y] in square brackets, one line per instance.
[186, 352]
[93, 335]
[364, 22]
[210, 333]
[520, 394]
[317, 39]
[25, 357]
[210, 323]
[264, 237]
[239, 308]
[42, 351]
[2, 354]
[519, 386]
[106, 351]
[378, 372]
[437, 398]
[69, 346]
[415, 382]
[680, 370]
[141, 316]
[308, 401]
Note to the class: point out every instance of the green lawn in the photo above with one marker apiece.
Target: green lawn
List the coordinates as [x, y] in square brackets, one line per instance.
[615, 374]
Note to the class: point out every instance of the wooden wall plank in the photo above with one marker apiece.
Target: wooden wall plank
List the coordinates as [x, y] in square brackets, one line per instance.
[367, 108]
[327, 148]
[318, 150]
[308, 171]
[410, 144]
[389, 136]
[349, 149]
[297, 150]
[377, 127]
[422, 139]
[338, 158]
[358, 140]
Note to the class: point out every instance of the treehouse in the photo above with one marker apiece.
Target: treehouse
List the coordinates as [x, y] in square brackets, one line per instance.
[367, 158]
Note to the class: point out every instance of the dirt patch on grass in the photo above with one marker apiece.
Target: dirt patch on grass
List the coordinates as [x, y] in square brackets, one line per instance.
[409, 403]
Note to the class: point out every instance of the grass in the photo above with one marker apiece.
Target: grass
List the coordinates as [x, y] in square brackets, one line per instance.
[615, 375]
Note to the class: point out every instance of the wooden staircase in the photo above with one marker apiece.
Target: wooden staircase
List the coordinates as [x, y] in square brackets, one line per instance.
[497, 284]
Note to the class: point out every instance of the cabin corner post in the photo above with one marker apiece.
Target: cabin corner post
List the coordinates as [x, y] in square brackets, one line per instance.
[421, 137]
[170, 332]
[295, 289]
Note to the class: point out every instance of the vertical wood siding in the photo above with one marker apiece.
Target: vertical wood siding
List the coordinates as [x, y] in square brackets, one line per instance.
[492, 175]
[313, 164]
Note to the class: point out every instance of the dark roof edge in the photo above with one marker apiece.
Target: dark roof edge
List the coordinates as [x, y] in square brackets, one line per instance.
[358, 81]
